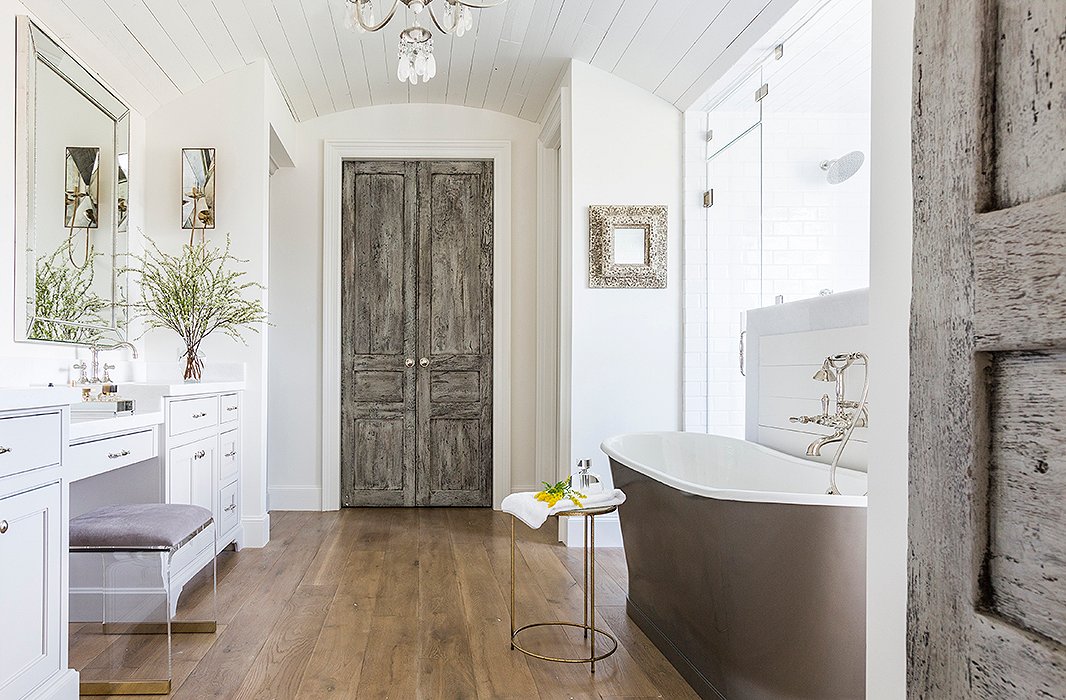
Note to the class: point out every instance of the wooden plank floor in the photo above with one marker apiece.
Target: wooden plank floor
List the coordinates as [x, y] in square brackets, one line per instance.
[400, 603]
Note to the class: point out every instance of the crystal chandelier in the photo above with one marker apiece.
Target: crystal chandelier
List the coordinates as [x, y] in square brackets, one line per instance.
[416, 42]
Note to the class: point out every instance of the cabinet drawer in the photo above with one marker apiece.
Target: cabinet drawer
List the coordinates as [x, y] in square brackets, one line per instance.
[30, 442]
[229, 512]
[187, 415]
[111, 453]
[231, 407]
[229, 461]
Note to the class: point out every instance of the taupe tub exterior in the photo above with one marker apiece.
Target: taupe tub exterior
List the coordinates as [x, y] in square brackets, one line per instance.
[748, 578]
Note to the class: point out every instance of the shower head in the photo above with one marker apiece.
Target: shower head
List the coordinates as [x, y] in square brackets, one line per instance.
[826, 373]
[842, 168]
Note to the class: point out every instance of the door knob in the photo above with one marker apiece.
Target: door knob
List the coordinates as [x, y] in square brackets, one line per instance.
[409, 362]
[424, 362]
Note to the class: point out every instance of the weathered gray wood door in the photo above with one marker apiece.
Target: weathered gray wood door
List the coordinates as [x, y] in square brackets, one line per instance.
[416, 340]
[987, 570]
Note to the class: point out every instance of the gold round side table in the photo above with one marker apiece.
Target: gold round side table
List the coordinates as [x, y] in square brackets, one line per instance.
[588, 623]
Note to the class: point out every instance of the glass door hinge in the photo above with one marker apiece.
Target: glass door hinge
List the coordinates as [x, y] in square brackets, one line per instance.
[761, 92]
[708, 199]
[779, 52]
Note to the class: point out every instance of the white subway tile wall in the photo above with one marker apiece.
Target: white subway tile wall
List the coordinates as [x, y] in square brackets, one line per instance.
[777, 227]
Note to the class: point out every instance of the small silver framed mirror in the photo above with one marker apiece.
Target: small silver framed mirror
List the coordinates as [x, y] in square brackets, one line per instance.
[627, 246]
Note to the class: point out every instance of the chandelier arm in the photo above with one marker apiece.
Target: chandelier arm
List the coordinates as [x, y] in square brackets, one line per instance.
[446, 30]
[480, 6]
[366, 27]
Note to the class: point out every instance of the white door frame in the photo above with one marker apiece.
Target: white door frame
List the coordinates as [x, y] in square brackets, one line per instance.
[335, 152]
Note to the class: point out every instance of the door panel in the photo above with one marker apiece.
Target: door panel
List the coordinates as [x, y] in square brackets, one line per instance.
[987, 564]
[455, 333]
[417, 273]
[377, 306]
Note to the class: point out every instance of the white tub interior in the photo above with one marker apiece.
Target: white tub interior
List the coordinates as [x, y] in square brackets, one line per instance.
[722, 467]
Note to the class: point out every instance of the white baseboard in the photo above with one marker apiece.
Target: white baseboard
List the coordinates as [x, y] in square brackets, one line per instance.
[64, 685]
[256, 531]
[295, 497]
[608, 531]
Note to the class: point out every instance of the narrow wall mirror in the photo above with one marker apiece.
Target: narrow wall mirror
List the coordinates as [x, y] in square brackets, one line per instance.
[72, 191]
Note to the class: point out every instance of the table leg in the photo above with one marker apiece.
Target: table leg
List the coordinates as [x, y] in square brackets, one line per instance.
[592, 590]
[585, 563]
[512, 582]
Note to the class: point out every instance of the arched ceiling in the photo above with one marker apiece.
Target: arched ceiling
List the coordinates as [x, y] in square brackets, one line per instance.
[509, 62]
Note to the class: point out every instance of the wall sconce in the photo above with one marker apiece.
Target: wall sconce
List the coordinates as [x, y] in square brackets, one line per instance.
[197, 190]
[82, 196]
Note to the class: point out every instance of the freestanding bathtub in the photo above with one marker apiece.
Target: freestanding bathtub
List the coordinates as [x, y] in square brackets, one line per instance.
[742, 571]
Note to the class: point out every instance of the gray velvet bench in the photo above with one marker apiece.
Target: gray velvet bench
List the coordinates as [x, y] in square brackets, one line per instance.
[160, 528]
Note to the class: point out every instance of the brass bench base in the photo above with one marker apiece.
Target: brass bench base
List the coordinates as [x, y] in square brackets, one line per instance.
[160, 687]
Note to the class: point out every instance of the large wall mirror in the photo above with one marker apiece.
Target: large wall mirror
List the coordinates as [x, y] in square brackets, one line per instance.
[72, 189]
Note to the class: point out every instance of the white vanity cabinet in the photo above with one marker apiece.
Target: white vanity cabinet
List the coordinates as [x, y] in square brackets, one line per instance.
[202, 451]
[33, 546]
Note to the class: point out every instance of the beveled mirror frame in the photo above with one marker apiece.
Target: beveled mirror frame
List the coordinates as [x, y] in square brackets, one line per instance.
[604, 272]
[33, 45]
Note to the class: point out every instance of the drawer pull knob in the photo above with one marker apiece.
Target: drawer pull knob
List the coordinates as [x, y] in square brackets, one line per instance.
[117, 455]
[199, 415]
[199, 455]
[231, 408]
[231, 454]
[4, 450]
[232, 506]
[3, 527]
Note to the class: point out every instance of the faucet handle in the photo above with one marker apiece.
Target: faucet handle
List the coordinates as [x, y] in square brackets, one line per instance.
[107, 377]
[83, 378]
[799, 419]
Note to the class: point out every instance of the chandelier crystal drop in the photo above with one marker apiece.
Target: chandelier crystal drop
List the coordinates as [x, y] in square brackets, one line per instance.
[416, 42]
[416, 56]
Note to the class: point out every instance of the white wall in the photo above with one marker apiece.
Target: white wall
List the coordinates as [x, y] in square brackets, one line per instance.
[233, 114]
[24, 363]
[890, 292]
[624, 148]
[296, 283]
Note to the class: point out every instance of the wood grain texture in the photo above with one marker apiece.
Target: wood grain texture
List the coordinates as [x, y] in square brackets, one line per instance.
[418, 435]
[377, 333]
[1020, 270]
[1030, 132]
[455, 333]
[1026, 561]
[404, 603]
[978, 425]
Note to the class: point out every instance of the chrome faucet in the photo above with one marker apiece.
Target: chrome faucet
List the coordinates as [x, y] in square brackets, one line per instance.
[97, 349]
[848, 415]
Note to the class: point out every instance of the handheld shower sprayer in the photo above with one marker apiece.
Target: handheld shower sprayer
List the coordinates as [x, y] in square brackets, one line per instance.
[833, 370]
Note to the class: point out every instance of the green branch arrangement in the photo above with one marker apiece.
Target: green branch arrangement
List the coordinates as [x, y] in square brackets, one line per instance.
[195, 294]
[63, 297]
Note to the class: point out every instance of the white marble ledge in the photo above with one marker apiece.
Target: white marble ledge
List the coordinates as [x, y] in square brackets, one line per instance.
[90, 427]
[16, 398]
[180, 388]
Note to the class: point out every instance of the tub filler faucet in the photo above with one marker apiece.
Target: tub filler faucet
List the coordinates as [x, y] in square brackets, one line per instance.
[848, 414]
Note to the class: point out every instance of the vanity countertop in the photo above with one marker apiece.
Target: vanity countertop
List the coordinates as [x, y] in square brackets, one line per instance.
[14, 398]
[89, 427]
[180, 388]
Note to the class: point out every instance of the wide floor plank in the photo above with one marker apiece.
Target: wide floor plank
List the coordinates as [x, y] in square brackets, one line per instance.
[401, 603]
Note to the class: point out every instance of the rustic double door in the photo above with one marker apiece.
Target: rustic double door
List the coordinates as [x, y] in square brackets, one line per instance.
[416, 333]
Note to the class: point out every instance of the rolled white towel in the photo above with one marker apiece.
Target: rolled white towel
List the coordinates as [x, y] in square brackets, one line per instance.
[533, 513]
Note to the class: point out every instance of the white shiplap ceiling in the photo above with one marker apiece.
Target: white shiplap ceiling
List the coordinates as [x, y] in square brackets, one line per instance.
[509, 62]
